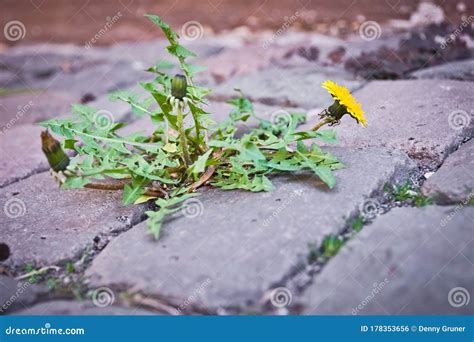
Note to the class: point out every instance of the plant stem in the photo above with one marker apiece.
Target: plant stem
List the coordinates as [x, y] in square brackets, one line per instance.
[37, 272]
[182, 136]
[120, 186]
[321, 124]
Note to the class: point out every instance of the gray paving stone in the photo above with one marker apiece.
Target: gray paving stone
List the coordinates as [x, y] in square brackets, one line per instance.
[16, 295]
[219, 111]
[81, 73]
[295, 87]
[420, 117]
[257, 57]
[21, 152]
[405, 263]
[240, 244]
[66, 308]
[151, 52]
[44, 224]
[462, 70]
[99, 79]
[27, 68]
[454, 181]
[33, 106]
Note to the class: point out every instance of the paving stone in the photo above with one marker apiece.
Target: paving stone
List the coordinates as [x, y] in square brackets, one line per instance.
[220, 111]
[81, 74]
[33, 106]
[295, 87]
[21, 152]
[233, 246]
[462, 70]
[151, 52]
[99, 79]
[15, 295]
[427, 119]
[20, 69]
[65, 308]
[44, 224]
[229, 62]
[454, 181]
[405, 263]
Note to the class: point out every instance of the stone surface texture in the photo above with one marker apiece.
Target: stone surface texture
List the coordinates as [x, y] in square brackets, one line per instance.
[454, 181]
[17, 295]
[33, 106]
[43, 224]
[426, 119]
[228, 249]
[406, 263]
[21, 152]
[241, 244]
[462, 70]
[290, 87]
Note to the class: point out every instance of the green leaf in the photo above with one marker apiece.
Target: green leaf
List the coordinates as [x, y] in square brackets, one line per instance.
[170, 35]
[325, 174]
[251, 152]
[131, 192]
[180, 51]
[200, 164]
[75, 182]
[171, 148]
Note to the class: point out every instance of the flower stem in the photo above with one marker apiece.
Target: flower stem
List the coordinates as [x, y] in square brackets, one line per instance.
[182, 136]
[321, 124]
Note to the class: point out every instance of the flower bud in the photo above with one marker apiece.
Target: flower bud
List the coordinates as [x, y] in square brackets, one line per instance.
[57, 159]
[178, 86]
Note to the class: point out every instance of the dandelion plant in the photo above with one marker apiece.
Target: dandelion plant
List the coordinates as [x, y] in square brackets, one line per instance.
[187, 149]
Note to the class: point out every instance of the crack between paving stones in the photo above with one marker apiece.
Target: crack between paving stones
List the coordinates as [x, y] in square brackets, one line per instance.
[302, 268]
[28, 175]
[311, 270]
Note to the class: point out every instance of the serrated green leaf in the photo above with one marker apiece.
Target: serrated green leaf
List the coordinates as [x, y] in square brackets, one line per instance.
[250, 152]
[200, 164]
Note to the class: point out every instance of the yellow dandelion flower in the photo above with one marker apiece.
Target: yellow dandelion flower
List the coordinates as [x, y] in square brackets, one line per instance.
[344, 102]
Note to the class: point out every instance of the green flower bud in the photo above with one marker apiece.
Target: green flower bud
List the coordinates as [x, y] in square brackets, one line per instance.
[57, 159]
[178, 86]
